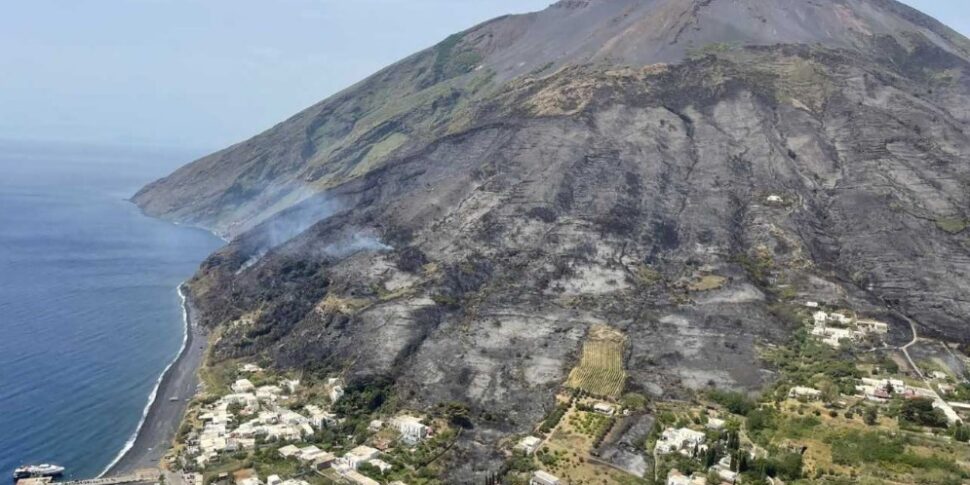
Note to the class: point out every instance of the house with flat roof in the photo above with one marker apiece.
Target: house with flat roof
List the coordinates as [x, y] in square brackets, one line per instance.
[528, 445]
[355, 477]
[289, 451]
[715, 423]
[540, 477]
[680, 440]
[604, 408]
[323, 460]
[336, 392]
[412, 430]
[361, 454]
[381, 465]
[309, 453]
[802, 392]
[675, 477]
[242, 386]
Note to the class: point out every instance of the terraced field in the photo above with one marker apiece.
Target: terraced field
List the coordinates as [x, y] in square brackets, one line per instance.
[600, 369]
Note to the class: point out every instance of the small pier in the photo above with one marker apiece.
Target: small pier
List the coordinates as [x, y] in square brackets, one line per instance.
[140, 476]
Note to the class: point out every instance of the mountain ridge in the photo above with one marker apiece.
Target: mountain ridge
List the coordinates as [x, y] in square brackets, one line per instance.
[319, 147]
[455, 232]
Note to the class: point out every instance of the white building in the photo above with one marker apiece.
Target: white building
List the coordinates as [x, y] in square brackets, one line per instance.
[939, 375]
[336, 392]
[309, 453]
[675, 477]
[375, 425]
[880, 389]
[801, 392]
[820, 318]
[948, 411]
[381, 465]
[682, 440]
[289, 451]
[324, 460]
[833, 336]
[604, 408]
[540, 477]
[355, 477]
[411, 429]
[528, 445]
[287, 416]
[715, 423]
[319, 418]
[242, 386]
[291, 385]
[873, 326]
[268, 393]
[361, 454]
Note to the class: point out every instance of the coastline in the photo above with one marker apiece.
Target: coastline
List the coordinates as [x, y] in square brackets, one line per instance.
[162, 417]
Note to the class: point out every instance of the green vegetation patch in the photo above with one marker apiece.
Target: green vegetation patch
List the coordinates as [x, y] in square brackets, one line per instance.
[600, 371]
[851, 447]
[952, 225]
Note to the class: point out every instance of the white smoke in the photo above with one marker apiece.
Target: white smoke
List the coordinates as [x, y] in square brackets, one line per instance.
[355, 243]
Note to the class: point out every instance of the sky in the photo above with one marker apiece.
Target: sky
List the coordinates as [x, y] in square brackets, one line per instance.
[208, 73]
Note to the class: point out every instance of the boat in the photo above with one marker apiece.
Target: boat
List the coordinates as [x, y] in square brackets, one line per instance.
[35, 471]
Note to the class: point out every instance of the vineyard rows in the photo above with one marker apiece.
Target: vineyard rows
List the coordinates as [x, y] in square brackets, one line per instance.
[600, 370]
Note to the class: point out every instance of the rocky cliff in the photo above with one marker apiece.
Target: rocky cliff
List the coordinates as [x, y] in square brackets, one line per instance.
[684, 171]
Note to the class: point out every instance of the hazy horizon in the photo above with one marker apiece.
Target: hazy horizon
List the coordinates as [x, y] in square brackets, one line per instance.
[203, 75]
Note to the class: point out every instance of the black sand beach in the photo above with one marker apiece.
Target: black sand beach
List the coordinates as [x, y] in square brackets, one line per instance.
[164, 416]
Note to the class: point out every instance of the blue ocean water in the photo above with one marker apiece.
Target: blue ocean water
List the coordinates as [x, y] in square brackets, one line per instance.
[89, 313]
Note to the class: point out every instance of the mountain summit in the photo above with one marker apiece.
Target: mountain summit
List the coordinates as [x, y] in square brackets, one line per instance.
[689, 173]
[404, 106]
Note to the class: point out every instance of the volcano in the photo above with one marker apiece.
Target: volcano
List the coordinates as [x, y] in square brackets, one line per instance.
[684, 171]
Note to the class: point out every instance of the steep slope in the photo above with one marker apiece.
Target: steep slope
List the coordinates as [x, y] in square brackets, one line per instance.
[428, 95]
[689, 204]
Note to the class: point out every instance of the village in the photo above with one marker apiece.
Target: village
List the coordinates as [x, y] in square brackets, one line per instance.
[294, 435]
[268, 429]
[829, 415]
[827, 400]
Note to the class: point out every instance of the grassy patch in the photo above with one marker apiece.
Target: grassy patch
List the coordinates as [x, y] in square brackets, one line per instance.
[378, 152]
[600, 370]
[952, 225]
[707, 283]
[647, 276]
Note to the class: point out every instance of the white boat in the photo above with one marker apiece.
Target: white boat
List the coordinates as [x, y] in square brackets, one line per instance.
[35, 471]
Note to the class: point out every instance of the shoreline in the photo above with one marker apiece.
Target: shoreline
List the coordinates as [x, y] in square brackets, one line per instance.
[161, 418]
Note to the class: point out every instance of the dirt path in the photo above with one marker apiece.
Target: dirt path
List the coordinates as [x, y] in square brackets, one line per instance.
[912, 363]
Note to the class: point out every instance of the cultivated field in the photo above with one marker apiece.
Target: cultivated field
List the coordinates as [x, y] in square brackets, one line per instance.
[600, 370]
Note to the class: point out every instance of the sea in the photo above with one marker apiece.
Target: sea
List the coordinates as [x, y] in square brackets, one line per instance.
[90, 315]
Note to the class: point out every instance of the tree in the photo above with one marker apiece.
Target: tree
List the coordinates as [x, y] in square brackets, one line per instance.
[710, 458]
[830, 391]
[961, 432]
[921, 411]
[870, 415]
[634, 401]
[458, 414]
[759, 419]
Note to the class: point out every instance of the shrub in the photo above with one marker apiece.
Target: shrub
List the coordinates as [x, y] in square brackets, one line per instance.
[735, 402]
[853, 447]
[921, 411]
